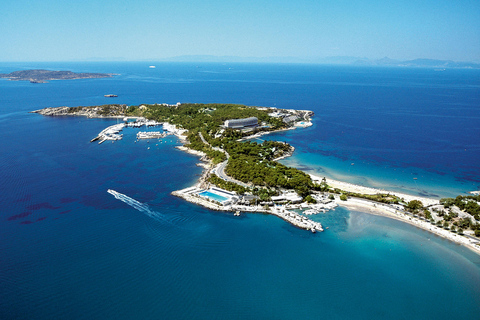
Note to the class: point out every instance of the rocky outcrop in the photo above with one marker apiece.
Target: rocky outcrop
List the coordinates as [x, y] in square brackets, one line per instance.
[41, 76]
[110, 110]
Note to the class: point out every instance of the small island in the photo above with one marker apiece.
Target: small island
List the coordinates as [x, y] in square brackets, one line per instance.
[42, 76]
[243, 175]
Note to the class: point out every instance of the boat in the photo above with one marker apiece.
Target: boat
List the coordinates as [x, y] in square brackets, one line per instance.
[110, 96]
[152, 67]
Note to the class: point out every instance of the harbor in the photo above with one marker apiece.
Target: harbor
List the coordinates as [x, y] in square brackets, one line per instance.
[222, 200]
[110, 133]
[113, 132]
[151, 135]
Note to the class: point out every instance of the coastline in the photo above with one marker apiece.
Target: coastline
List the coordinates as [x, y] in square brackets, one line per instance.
[352, 203]
[369, 207]
[346, 186]
[384, 210]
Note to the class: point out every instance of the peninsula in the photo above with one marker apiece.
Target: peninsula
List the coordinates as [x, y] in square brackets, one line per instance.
[42, 76]
[245, 176]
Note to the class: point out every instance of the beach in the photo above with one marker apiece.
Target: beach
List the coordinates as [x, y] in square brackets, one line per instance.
[364, 205]
[367, 190]
[389, 211]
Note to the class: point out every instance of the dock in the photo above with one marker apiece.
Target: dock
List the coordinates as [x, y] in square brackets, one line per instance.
[191, 195]
[151, 135]
[297, 219]
[110, 133]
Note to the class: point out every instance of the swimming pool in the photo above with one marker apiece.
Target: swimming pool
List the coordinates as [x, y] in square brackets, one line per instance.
[212, 196]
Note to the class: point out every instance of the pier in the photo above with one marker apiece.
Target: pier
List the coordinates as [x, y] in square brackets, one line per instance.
[113, 132]
[191, 194]
[297, 219]
[110, 133]
[151, 135]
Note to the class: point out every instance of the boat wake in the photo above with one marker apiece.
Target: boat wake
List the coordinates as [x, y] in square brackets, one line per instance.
[142, 207]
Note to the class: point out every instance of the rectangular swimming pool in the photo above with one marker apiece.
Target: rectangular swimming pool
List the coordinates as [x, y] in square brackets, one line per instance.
[212, 196]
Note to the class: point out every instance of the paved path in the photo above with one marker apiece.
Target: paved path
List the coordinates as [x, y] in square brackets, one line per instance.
[219, 170]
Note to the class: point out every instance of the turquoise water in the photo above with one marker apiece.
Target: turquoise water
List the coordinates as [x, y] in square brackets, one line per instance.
[213, 196]
[70, 250]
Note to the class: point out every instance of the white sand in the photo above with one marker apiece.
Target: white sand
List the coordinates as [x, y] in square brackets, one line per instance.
[366, 190]
[387, 211]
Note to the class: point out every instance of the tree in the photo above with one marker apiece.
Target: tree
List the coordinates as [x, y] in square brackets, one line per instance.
[427, 214]
[414, 205]
[343, 197]
[309, 199]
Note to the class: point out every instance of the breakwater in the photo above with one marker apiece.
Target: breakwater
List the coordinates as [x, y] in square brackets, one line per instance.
[190, 194]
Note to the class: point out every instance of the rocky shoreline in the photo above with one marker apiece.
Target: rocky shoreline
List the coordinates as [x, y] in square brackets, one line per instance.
[103, 111]
[42, 76]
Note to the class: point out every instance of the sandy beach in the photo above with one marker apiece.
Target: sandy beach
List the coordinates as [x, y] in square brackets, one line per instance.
[391, 212]
[366, 190]
[376, 208]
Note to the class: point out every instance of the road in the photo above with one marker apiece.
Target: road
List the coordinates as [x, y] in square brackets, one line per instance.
[219, 170]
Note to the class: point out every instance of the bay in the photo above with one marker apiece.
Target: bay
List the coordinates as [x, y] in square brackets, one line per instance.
[68, 249]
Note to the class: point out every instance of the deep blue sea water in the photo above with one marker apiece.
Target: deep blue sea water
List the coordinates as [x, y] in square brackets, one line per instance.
[69, 249]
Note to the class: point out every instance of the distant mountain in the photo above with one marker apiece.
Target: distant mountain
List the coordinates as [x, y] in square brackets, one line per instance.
[440, 63]
[419, 63]
[236, 59]
[233, 59]
[336, 60]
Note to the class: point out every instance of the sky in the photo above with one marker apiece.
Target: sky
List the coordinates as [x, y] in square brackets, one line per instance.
[59, 30]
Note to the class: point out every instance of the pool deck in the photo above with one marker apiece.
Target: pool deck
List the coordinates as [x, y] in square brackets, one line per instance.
[191, 194]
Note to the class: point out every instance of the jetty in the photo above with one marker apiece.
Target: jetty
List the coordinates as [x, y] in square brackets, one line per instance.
[194, 195]
[151, 135]
[110, 133]
[113, 132]
[296, 219]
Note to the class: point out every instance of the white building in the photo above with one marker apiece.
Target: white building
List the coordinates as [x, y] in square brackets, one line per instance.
[251, 122]
[292, 197]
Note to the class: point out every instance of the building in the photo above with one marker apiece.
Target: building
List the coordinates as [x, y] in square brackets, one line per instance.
[251, 122]
[291, 197]
[290, 119]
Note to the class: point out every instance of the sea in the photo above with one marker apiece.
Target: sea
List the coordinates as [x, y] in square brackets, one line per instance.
[71, 250]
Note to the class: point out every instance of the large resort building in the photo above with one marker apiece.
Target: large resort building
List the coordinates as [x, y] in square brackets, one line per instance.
[246, 123]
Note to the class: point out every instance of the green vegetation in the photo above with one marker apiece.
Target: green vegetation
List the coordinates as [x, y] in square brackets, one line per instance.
[103, 110]
[227, 185]
[414, 206]
[309, 199]
[379, 197]
[467, 203]
[252, 162]
[249, 162]
[427, 214]
[264, 193]
[208, 117]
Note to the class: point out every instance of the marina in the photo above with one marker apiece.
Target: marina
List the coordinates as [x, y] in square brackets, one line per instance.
[110, 133]
[103, 258]
[113, 132]
[151, 135]
[223, 200]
